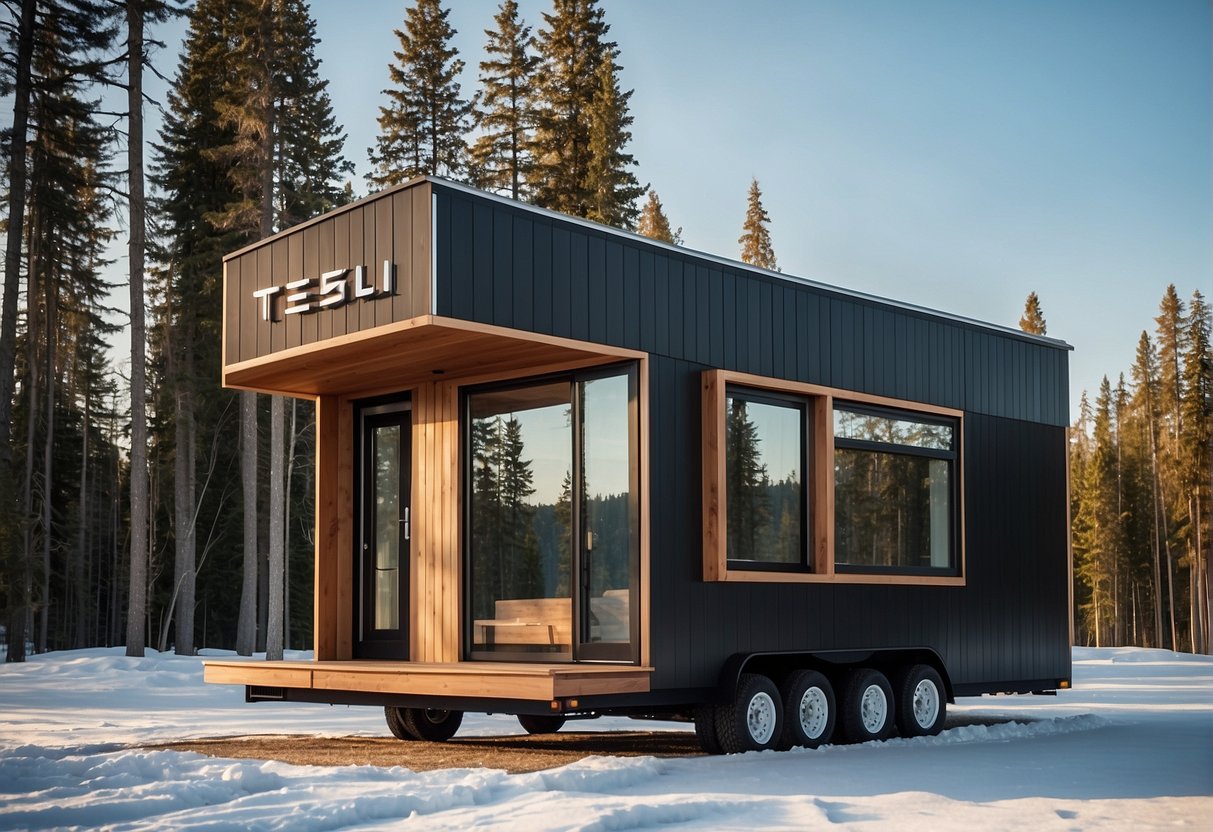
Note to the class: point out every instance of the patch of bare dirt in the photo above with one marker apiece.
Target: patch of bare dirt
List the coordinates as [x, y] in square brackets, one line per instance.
[514, 754]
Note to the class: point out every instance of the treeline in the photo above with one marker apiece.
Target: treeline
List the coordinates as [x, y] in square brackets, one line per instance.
[140, 503]
[1141, 478]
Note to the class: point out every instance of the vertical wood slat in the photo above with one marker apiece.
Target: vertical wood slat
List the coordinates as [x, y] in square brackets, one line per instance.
[713, 474]
[822, 461]
[328, 525]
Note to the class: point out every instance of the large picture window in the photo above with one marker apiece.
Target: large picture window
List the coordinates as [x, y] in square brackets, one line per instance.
[553, 518]
[808, 484]
[894, 487]
[765, 445]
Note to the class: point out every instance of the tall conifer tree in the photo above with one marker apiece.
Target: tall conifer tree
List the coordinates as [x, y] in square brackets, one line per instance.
[655, 224]
[610, 183]
[500, 157]
[571, 46]
[421, 131]
[755, 236]
[1033, 318]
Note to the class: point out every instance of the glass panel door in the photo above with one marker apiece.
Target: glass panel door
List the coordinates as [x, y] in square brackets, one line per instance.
[609, 522]
[384, 531]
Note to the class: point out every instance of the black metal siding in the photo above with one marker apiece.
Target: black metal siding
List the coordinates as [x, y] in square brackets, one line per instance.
[510, 266]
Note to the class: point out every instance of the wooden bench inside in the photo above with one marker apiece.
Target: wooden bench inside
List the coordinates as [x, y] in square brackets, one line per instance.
[533, 622]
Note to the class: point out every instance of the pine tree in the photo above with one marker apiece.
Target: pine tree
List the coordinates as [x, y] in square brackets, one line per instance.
[612, 186]
[1196, 457]
[1033, 318]
[1098, 536]
[421, 131]
[1169, 323]
[500, 159]
[571, 47]
[654, 224]
[755, 238]
[1145, 405]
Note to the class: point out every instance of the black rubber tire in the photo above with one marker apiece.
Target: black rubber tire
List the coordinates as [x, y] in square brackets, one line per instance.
[921, 713]
[432, 724]
[857, 684]
[756, 705]
[805, 694]
[396, 723]
[705, 729]
[541, 724]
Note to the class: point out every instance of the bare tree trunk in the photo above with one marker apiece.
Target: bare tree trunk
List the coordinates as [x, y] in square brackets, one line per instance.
[246, 628]
[135, 634]
[184, 494]
[79, 573]
[17, 171]
[48, 459]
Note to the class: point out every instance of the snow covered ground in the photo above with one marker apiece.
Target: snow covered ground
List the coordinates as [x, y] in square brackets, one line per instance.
[1131, 747]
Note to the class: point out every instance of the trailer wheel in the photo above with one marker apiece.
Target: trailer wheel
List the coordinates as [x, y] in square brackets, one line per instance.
[921, 703]
[541, 724]
[705, 729]
[396, 723]
[808, 710]
[753, 721]
[867, 706]
[432, 724]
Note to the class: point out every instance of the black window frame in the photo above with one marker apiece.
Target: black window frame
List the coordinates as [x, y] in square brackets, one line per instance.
[803, 404]
[951, 455]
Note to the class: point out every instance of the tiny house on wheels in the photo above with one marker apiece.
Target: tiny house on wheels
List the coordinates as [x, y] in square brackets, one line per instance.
[565, 471]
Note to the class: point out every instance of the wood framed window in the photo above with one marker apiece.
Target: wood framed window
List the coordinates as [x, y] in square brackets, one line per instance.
[787, 494]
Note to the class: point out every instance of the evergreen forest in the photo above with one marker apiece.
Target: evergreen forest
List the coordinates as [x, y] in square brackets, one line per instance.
[142, 505]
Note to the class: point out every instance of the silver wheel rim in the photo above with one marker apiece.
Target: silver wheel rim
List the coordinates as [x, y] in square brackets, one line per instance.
[926, 703]
[760, 718]
[814, 712]
[873, 709]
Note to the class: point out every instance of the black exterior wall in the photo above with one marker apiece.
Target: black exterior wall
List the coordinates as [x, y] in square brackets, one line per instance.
[513, 266]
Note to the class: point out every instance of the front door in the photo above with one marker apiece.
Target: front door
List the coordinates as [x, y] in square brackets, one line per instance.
[382, 541]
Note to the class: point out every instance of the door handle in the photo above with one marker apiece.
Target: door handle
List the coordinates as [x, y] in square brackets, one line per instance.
[405, 521]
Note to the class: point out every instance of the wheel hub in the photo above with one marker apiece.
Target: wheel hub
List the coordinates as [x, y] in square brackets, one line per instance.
[873, 709]
[814, 712]
[760, 718]
[926, 703]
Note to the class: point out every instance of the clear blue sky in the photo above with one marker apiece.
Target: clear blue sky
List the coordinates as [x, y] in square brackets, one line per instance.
[951, 154]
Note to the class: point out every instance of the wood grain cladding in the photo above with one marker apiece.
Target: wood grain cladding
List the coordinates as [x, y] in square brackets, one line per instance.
[821, 460]
[491, 680]
[393, 225]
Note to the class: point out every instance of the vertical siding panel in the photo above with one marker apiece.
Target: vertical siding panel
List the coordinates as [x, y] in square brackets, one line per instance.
[341, 259]
[597, 285]
[543, 276]
[420, 244]
[791, 365]
[690, 313]
[611, 292]
[324, 317]
[366, 308]
[384, 227]
[562, 283]
[766, 363]
[675, 310]
[482, 262]
[524, 266]
[631, 297]
[661, 303]
[579, 288]
[398, 248]
[647, 298]
[753, 357]
[459, 250]
[715, 327]
[503, 259]
[739, 317]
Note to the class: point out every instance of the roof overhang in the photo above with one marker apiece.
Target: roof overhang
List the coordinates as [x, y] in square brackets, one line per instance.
[402, 354]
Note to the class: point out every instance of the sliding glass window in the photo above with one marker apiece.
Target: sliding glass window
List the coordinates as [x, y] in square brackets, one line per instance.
[765, 463]
[895, 492]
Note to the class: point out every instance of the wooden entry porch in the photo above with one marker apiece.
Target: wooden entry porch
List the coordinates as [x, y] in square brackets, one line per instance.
[490, 680]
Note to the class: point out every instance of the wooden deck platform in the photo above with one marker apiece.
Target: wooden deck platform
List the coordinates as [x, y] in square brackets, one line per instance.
[491, 680]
